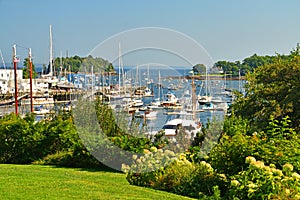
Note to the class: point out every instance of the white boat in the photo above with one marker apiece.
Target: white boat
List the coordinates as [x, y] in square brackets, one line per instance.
[147, 114]
[143, 91]
[156, 103]
[40, 110]
[49, 101]
[170, 100]
[190, 127]
[204, 99]
[217, 100]
[215, 106]
[137, 102]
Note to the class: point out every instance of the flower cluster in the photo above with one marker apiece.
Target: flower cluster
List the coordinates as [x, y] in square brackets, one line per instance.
[258, 180]
[151, 160]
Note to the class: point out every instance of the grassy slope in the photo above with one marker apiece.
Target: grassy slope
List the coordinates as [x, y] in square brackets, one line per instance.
[46, 182]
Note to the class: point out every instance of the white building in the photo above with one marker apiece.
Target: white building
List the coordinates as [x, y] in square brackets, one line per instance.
[7, 80]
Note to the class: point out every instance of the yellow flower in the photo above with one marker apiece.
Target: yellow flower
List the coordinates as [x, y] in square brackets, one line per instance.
[134, 157]
[296, 175]
[125, 168]
[222, 176]
[287, 167]
[276, 172]
[234, 183]
[250, 159]
[146, 151]
[297, 197]
[259, 164]
[153, 149]
[252, 185]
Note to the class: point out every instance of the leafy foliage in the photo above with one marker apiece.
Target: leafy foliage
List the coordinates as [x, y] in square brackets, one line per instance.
[83, 64]
[199, 69]
[260, 181]
[272, 90]
[20, 139]
[26, 69]
[179, 175]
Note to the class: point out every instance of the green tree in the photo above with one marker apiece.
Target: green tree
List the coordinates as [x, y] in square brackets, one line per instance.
[83, 64]
[199, 69]
[26, 69]
[272, 90]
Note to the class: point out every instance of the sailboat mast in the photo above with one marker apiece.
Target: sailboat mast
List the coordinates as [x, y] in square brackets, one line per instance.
[193, 97]
[240, 80]
[15, 61]
[159, 85]
[92, 81]
[119, 68]
[2, 59]
[148, 73]
[206, 80]
[30, 79]
[51, 52]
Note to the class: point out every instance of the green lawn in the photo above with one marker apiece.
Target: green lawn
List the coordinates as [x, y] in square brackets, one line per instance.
[46, 182]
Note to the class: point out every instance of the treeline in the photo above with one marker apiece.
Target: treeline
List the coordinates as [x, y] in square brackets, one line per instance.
[81, 64]
[247, 65]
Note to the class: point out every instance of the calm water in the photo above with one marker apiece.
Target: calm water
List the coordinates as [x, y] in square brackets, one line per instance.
[142, 75]
[165, 76]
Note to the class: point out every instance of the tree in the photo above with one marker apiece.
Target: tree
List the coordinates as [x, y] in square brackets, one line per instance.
[199, 69]
[83, 64]
[272, 90]
[26, 69]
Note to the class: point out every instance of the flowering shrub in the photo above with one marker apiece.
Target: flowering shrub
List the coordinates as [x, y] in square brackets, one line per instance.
[174, 173]
[260, 181]
[146, 169]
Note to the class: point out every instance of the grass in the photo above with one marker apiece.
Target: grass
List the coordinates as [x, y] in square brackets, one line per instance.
[48, 182]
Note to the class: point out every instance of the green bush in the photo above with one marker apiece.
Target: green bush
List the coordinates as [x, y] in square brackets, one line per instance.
[146, 169]
[229, 154]
[178, 175]
[81, 159]
[192, 180]
[20, 139]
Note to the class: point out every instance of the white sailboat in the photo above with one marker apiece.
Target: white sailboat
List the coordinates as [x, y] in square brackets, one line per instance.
[203, 99]
[52, 80]
[156, 103]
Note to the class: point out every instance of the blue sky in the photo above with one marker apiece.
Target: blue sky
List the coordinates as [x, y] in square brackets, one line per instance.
[228, 29]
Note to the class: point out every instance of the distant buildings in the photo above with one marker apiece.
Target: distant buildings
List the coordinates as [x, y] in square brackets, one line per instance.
[7, 78]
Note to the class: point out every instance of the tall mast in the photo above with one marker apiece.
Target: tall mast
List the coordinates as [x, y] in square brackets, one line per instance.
[148, 74]
[60, 64]
[193, 97]
[92, 81]
[206, 80]
[240, 80]
[15, 61]
[51, 52]
[119, 69]
[2, 59]
[30, 78]
[137, 76]
[159, 85]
